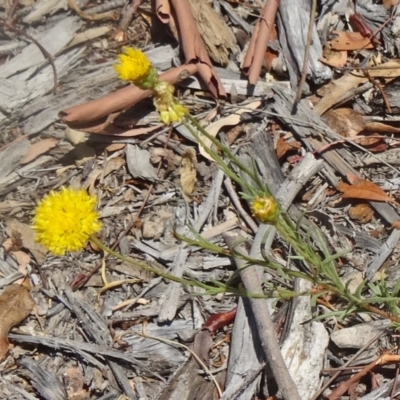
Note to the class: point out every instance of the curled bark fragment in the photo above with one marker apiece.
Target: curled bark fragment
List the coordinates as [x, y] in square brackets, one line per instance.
[259, 41]
[190, 40]
[98, 115]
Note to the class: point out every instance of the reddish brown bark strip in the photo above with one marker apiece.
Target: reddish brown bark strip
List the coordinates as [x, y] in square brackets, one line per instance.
[190, 40]
[119, 100]
[259, 41]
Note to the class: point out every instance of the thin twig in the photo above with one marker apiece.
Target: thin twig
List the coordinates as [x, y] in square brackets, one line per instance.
[306, 54]
[177, 344]
[338, 373]
[45, 53]
[265, 326]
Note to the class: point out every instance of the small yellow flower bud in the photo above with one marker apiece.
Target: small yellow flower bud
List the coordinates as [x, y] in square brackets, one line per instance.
[266, 209]
[167, 105]
[164, 89]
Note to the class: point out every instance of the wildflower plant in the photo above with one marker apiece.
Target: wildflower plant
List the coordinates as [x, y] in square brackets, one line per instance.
[65, 220]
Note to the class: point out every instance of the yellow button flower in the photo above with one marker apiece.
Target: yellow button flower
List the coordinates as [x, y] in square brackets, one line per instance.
[266, 209]
[135, 67]
[64, 220]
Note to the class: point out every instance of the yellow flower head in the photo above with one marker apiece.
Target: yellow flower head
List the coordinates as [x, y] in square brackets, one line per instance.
[266, 209]
[135, 67]
[64, 220]
[167, 105]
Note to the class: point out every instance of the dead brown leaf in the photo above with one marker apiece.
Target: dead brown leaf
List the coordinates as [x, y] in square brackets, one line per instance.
[21, 257]
[283, 146]
[188, 173]
[372, 143]
[345, 121]
[15, 305]
[390, 3]
[381, 127]
[336, 89]
[113, 164]
[115, 147]
[347, 41]
[39, 148]
[27, 236]
[365, 190]
[396, 224]
[334, 58]
[230, 120]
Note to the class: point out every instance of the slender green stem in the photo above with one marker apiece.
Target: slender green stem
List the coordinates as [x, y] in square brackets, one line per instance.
[145, 266]
[217, 288]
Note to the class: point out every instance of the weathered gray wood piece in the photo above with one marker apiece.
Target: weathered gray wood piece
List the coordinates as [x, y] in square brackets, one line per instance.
[96, 328]
[305, 345]
[171, 296]
[245, 354]
[293, 22]
[188, 384]
[385, 251]
[31, 56]
[47, 384]
[384, 392]
[245, 362]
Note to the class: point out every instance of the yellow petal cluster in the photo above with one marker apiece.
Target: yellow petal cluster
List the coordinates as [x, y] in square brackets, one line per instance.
[174, 113]
[167, 105]
[266, 209]
[64, 220]
[134, 66]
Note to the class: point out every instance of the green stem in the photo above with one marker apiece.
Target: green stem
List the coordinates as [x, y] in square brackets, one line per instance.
[195, 283]
[145, 266]
[226, 151]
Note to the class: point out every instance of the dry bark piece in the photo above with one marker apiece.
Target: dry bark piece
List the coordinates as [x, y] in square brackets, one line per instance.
[293, 21]
[361, 213]
[218, 38]
[188, 173]
[345, 121]
[12, 154]
[15, 305]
